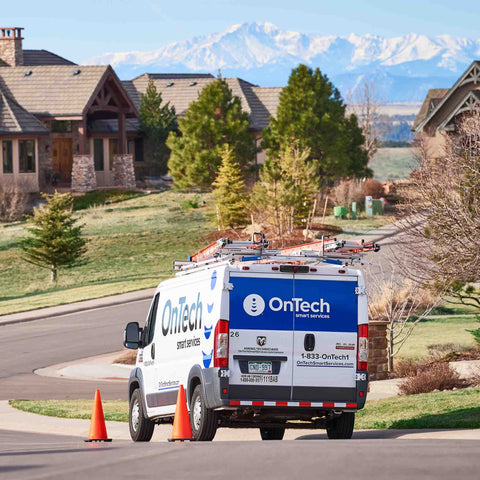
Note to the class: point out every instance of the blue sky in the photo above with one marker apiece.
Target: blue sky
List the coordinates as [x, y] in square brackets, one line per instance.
[83, 29]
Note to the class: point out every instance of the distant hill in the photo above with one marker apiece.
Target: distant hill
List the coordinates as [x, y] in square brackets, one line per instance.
[404, 68]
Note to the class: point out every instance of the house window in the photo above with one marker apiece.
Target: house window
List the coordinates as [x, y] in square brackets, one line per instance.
[61, 126]
[139, 150]
[26, 154]
[7, 156]
[98, 153]
[113, 148]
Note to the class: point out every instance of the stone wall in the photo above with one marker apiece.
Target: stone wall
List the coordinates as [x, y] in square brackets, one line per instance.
[377, 350]
[83, 174]
[123, 171]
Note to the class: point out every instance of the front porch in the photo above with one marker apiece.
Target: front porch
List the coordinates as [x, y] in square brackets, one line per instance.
[93, 150]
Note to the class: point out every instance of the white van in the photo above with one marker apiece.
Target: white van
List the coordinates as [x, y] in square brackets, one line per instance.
[263, 345]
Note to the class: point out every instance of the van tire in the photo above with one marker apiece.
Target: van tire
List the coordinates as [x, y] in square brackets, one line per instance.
[141, 428]
[275, 433]
[203, 420]
[341, 427]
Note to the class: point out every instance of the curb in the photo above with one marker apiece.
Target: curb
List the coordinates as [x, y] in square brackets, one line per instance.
[67, 309]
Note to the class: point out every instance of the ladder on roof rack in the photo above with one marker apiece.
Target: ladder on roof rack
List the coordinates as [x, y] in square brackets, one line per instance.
[328, 250]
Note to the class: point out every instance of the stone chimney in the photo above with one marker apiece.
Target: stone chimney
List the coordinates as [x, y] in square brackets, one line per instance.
[11, 51]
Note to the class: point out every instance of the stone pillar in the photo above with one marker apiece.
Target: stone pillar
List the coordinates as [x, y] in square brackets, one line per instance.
[83, 174]
[377, 350]
[123, 171]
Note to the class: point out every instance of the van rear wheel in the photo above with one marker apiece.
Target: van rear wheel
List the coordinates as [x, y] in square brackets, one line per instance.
[141, 428]
[275, 433]
[203, 420]
[341, 427]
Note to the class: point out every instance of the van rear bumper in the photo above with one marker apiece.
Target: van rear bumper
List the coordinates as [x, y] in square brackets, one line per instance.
[220, 393]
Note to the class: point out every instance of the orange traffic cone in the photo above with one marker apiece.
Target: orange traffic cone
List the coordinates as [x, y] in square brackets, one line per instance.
[181, 424]
[98, 430]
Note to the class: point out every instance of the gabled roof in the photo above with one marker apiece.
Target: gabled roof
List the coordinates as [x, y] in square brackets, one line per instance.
[43, 57]
[471, 74]
[434, 95]
[470, 102]
[16, 120]
[55, 90]
[180, 90]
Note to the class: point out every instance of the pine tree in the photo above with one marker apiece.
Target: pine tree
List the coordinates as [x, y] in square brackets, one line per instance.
[55, 241]
[156, 122]
[213, 120]
[311, 113]
[230, 195]
[286, 190]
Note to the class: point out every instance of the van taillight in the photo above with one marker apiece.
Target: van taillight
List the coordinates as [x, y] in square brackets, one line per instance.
[220, 347]
[362, 351]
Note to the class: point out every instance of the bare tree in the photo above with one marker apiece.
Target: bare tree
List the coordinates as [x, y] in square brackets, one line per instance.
[399, 301]
[441, 211]
[364, 103]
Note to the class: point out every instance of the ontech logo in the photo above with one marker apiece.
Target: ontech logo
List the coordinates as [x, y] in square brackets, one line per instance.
[254, 305]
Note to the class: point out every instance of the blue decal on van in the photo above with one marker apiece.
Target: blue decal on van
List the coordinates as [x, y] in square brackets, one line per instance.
[207, 332]
[207, 359]
[213, 280]
[209, 307]
[287, 304]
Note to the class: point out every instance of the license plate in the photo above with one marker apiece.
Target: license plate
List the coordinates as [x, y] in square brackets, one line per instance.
[259, 367]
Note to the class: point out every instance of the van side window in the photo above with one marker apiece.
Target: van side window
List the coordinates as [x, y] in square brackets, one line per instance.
[149, 329]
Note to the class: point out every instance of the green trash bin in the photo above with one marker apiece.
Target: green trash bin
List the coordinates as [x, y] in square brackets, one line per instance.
[339, 212]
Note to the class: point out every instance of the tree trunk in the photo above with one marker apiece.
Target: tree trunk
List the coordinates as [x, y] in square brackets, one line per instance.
[390, 350]
[53, 276]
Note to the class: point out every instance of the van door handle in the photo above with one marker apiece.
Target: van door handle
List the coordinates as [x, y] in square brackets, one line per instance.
[152, 351]
[309, 342]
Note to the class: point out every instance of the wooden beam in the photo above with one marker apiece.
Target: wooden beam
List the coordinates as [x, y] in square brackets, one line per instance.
[122, 132]
[82, 137]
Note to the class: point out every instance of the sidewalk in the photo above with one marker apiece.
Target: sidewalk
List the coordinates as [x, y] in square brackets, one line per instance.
[13, 419]
[67, 309]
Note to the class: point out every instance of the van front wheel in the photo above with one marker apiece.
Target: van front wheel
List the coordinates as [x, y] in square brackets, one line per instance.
[141, 428]
[341, 427]
[203, 420]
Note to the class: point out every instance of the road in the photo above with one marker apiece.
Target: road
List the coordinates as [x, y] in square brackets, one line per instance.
[55, 457]
[24, 347]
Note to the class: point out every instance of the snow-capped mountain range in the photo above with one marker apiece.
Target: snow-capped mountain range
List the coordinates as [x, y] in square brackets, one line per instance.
[402, 67]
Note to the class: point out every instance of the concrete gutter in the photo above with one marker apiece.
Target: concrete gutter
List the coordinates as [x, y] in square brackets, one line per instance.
[76, 307]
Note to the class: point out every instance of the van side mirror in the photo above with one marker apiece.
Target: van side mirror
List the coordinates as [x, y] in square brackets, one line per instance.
[132, 336]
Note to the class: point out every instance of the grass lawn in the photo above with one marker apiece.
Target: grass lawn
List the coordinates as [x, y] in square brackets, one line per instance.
[456, 409]
[392, 163]
[131, 245]
[439, 331]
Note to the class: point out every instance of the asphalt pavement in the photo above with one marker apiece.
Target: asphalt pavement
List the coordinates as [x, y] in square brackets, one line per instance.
[53, 457]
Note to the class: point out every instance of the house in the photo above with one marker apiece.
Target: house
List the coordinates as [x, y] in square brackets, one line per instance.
[76, 126]
[443, 108]
[180, 90]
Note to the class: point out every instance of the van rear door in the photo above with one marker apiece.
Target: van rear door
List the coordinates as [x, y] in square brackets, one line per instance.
[261, 339]
[325, 338]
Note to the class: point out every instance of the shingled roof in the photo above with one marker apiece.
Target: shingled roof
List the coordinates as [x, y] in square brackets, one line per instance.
[432, 99]
[53, 90]
[180, 90]
[16, 120]
[43, 57]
